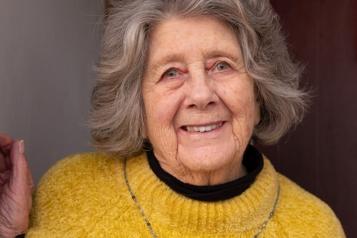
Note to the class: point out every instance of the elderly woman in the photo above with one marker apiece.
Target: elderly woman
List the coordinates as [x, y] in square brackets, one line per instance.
[184, 88]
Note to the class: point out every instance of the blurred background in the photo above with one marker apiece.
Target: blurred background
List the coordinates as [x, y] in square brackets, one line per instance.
[48, 50]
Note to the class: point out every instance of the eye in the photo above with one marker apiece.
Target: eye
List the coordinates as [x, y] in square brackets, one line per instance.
[222, 66]
[171, 73]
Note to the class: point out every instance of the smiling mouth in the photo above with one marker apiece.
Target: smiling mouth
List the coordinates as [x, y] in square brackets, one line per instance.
[203, 129]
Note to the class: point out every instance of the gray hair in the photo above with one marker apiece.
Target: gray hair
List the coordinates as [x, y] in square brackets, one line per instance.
[117, 115]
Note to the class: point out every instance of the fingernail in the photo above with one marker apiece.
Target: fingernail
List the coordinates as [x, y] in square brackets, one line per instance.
[21, 146]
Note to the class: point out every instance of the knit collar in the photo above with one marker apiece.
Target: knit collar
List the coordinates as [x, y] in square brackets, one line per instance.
[166, 209]
[252, 161]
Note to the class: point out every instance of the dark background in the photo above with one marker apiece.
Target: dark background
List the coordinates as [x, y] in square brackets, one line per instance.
[321, 154]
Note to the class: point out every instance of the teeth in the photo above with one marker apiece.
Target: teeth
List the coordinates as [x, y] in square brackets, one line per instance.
[203, 128]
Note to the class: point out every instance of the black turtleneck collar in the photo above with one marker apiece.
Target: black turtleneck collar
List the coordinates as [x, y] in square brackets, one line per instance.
[252, 161]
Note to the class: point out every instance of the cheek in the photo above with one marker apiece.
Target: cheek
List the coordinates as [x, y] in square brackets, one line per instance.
[160, 110]
[240, 101]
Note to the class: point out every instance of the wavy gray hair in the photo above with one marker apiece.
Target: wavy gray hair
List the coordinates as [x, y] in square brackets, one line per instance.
[117, 115]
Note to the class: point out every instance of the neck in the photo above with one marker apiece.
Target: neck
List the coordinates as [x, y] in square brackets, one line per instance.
[222, 175]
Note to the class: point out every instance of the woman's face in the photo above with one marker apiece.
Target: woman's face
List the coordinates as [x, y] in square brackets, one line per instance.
[200, 104]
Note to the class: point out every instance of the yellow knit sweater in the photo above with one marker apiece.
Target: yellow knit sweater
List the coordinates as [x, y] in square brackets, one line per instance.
[86, 196]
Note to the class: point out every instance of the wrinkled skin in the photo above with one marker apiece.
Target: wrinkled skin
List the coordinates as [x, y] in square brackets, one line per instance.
[16, 186]
[195, 78]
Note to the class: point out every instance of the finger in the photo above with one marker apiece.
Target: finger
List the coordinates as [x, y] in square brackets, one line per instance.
[4, 161]
[4, 177]
[5, 147]
[5, 140]
[30, 181]
[29, 189]
[19, 175]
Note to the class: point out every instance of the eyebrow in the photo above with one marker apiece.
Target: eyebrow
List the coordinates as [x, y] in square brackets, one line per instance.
[179, 58]
[167, 59]
[224, 53]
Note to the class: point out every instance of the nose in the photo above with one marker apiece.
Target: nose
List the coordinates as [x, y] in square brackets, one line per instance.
[200, 92]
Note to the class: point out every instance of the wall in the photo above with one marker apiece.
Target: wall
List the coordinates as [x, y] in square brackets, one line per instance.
[321, 154]
[47, 52]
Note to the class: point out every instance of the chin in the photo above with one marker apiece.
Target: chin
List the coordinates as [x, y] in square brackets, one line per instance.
[207, 158]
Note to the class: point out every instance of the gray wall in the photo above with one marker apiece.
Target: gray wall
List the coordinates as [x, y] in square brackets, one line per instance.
[48, 49]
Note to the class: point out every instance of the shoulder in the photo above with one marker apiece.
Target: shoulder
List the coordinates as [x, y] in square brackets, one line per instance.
[76, 190]
[80, 169]
[81, 162]
[304, 213]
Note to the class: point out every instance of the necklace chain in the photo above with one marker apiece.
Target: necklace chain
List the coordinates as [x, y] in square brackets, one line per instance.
[149, 226]
[146, 220]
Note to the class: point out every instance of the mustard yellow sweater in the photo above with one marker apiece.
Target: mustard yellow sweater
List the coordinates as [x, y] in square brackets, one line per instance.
[86, 195]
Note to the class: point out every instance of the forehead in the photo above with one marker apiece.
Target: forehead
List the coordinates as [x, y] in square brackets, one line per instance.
[180, 37]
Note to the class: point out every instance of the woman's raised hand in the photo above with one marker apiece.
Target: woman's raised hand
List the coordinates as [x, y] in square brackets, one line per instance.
[16, 187]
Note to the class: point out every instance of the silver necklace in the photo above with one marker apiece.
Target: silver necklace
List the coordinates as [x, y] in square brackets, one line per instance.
[151, 230]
